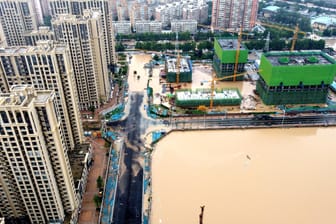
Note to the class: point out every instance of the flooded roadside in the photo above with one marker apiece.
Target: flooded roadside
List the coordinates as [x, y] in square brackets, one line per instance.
[245, 176]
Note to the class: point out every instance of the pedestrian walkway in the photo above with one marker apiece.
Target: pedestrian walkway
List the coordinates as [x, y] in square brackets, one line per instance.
[88, 213]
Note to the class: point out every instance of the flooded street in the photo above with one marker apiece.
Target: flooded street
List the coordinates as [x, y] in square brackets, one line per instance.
[259, 176]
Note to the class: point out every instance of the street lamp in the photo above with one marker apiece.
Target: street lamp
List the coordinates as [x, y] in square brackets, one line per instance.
[283, 116]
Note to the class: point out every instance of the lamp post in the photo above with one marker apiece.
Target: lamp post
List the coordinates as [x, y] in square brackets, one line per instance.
[283, 116]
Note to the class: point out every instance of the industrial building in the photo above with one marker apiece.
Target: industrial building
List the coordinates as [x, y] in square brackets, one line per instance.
[295, 77]
[225, 58]
[224, 97]
[184, 69]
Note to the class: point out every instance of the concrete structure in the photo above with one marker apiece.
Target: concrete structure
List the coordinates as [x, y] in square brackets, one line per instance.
[148, 27]
[187, 9]
[46, 66]
[196, 12]
[324, 22]
[184, 26]
[16, 18]
[80, 161]
[85, 39]
[230, 14]
[295, 77]
[140, 12]
[77, 7]
[184, 68]
[270, 11]
[225, 58]
[36, 179]
[224, 97]
[122, 27]
[43, 33]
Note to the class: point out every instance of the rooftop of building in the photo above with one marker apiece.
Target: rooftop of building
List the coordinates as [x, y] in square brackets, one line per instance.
[299, 58]
[41, 30]
[327, 20]
[147, 22]
[184, 65]
[271, 8]
[201, 95]
[77, 158]
[42, 45]
[23, 95]
[230, 44]
[184, 21]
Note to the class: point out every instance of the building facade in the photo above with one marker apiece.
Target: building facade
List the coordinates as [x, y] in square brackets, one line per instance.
[36, 179]
[46, 66]
[43, 33]
[295, 77]
[148, 27]
[184, 26]
[77, 7]
[224, 61]
[122, 27]
[16, 18]
[86, 43]
[230, 14]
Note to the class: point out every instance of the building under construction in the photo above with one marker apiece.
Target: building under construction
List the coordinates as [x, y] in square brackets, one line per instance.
[295, 77]
[182, 69]
[228, 53]
[193, 99]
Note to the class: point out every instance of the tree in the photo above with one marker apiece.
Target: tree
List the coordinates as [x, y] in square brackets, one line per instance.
[99, 182]
[97, 200]
[92, 109]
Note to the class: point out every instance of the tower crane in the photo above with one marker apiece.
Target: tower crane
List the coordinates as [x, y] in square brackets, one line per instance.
[178, 60]
[296, 31]
[237, 55]
[220, 79]
[223, 29]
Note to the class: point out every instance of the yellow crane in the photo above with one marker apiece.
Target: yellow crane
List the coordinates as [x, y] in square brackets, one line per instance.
[178, 60]
[220, 79]
[223, 29]
[237, 55]
[296, 31]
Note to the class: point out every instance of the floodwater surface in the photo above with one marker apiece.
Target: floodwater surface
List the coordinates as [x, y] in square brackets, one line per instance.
[261, 176]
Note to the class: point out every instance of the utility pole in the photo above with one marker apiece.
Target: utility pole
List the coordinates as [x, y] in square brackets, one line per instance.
[201, 215]
[267, 42]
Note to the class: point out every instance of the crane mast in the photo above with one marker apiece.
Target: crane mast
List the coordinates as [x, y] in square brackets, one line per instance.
[178, 60]
[237, 55]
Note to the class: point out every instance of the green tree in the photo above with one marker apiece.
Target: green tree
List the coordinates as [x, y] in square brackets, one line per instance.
[97, 200]
[99, 182]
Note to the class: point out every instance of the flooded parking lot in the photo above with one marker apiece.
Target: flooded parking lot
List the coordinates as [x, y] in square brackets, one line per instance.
[256, 176]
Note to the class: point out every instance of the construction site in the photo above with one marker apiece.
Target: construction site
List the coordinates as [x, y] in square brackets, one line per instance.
[295, 77]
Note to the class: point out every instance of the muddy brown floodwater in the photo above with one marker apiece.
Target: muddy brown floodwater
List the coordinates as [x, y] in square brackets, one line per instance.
[259, 176]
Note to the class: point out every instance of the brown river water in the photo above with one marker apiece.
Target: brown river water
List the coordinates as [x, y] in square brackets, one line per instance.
[261, 176]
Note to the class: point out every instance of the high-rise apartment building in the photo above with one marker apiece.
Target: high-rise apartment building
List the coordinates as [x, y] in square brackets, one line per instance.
[230, 14]
[35, 175]
[46, 66]
[43, 33]
[16, 18]
[77, 7]
[86, 43]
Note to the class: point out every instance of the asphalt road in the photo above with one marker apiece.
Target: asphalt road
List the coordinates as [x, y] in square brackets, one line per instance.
[128, 204]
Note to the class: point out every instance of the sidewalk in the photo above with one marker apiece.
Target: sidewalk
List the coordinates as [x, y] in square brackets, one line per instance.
[89, 214]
